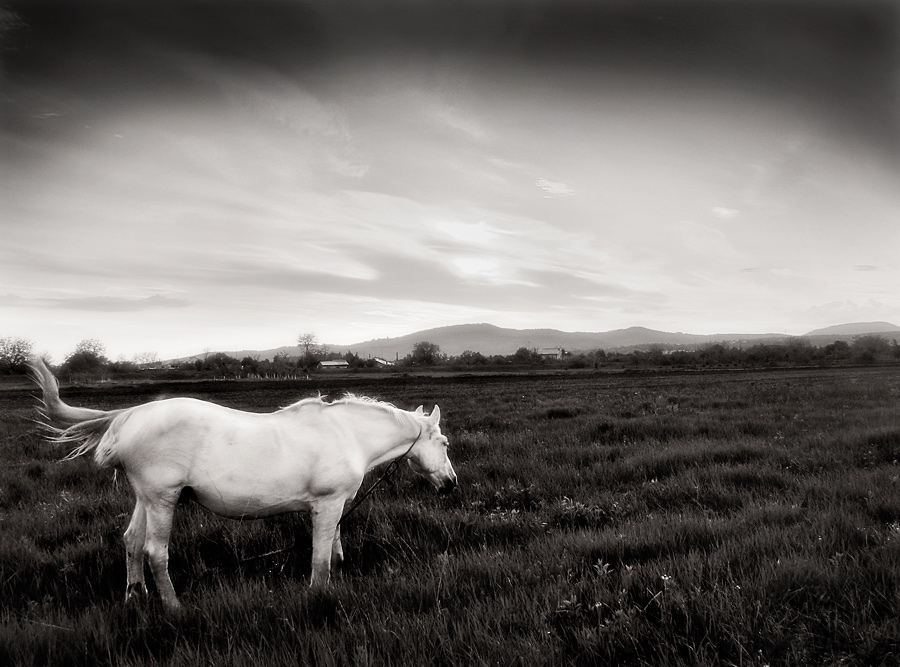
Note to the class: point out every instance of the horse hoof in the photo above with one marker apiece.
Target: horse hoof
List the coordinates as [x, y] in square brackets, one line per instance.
[174, 608]
[136, 590]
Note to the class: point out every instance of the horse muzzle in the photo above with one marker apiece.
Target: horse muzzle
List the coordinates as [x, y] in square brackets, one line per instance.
[448, 485]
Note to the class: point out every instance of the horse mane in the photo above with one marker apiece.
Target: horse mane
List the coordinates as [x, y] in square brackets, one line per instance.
[349, 398]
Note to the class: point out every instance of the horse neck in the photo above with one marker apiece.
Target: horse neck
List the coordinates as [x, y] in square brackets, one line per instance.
[385, 436]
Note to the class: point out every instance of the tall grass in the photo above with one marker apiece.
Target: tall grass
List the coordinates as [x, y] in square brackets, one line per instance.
[699, 519]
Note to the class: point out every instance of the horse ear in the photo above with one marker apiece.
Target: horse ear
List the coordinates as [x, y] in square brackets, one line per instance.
[435, 416]
[420, 410]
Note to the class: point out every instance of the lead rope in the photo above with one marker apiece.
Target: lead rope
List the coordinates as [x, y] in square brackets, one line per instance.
[388, 471]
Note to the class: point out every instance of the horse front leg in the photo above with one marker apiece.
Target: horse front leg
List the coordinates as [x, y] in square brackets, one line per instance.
[325, 517]
[337, 550]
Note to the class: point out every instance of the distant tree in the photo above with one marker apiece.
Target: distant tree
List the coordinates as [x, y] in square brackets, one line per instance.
[799, 351]
[712, 354]
[312, 349]
[91, 346]
[353, 360]
[220, 365]
[839, 349]
[281, 367]
[597, 357]
[250, 366]
[14, 352]
[470, 358]
[260, 367]
[525, 356]
[87, 359]
[122, 365]
[869, 348]
[425, 354]
[308, 341]
[145, 359]
[579, 361]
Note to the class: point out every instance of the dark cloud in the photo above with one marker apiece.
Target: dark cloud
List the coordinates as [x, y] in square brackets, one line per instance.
[840, 57]
[127, 41]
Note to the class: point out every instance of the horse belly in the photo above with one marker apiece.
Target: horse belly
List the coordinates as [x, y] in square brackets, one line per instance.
[240, 491]
[268, 483]
[241, 505]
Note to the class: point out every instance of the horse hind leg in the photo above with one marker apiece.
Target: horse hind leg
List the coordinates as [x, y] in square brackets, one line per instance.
[135, 537]
[156, 547]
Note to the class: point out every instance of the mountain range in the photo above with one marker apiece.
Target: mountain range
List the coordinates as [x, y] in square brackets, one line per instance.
[490, 340]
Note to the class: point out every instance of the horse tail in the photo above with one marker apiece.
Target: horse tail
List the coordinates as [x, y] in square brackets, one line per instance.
[85, 429]
[53, 409]
[94, 435]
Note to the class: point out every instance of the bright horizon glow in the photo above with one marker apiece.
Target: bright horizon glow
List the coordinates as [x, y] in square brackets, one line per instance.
[375, 170]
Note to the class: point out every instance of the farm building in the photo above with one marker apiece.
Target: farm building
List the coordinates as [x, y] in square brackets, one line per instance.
[336, 365]
[550, 353]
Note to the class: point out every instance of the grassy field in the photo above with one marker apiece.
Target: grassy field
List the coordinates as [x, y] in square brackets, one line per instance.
[660, 519]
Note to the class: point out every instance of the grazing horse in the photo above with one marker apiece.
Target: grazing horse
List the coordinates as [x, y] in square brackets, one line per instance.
[310, 455]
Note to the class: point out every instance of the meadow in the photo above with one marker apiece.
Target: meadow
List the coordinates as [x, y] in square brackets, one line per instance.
[705, 518]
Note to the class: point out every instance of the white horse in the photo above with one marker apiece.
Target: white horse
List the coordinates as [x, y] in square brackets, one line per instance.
[311, 455]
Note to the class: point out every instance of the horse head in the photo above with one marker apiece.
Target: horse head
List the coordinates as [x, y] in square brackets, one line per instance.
[428, 456]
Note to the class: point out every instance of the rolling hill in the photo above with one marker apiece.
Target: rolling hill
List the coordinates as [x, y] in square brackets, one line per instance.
[490, 340]
[856, 329]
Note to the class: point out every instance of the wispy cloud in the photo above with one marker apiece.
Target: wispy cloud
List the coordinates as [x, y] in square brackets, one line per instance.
[506, 164]
[554, 188]
[459, 120]
[268, 97]
[468, 233]
[103, 304]
[725, 213]
[347, 167]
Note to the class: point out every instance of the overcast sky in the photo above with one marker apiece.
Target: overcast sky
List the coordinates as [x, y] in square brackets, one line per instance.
[212, 175]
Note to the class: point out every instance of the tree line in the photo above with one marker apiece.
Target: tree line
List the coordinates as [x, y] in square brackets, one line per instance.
[866, 349]
[89, 361]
